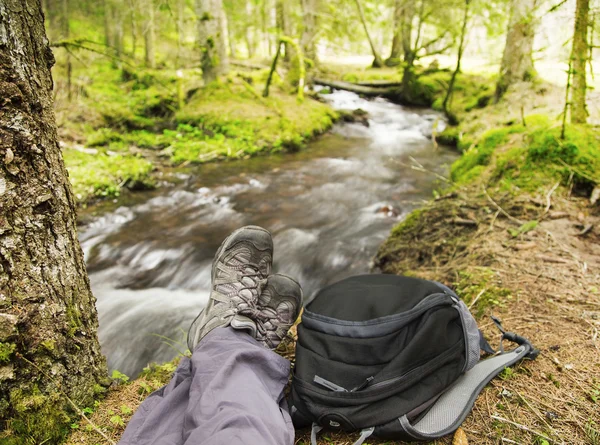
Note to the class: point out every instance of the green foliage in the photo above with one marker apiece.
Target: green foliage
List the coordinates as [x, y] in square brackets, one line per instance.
[524, 228]
[6, 351]
[117, 420]
[507, 373]
[119, 376]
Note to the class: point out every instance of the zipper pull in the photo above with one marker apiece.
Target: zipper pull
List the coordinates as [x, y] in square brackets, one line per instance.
[364, 384]
[329, 385]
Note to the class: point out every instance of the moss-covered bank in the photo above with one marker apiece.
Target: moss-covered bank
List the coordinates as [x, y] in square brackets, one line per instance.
[127, 124]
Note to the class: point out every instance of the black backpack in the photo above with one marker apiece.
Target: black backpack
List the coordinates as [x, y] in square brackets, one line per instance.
[391, 356]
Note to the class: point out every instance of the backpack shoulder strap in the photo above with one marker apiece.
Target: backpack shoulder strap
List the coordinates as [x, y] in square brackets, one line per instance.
[451, 409]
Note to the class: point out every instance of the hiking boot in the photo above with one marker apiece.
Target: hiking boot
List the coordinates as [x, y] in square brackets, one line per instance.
[277, 309]
[239, 272]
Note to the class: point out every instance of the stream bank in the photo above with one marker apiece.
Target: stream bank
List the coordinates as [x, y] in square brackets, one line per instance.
[127, 130]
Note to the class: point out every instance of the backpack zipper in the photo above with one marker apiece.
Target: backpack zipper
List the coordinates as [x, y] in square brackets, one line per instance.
[337, 388]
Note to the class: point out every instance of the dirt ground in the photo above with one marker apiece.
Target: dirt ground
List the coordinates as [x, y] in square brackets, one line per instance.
[549, 279]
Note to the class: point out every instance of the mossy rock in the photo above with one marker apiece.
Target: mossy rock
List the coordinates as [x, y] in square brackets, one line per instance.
[450, 137]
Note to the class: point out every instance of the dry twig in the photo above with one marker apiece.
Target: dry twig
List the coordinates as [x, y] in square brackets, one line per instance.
[523, 427]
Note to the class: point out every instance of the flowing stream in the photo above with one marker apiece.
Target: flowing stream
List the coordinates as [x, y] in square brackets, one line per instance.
[328, 207]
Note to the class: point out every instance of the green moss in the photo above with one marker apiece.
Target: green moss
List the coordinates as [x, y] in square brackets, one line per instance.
[481, 286]
[49, 345]
[37, 418]
[413, 219]
[479, 154]
[451, 136]
[229, 121]
[101, 175]
[6, 351]
[544, 158]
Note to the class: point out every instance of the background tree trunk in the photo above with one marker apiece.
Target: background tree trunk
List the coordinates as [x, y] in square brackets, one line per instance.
[211, 39]
[108, 34]
[149, 34]
[117, 19]
[377, 60]
[408, 14]
[285, 26]
[308, 40]
[65, 35]
[47, 311]
[517, 60]
[249, 34]
[461, 47]
[394, 58]
[579, 57]
[133, 26]
[180, 31]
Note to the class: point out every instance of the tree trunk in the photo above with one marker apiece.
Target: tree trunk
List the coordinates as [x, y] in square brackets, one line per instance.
[377, 60]
[249, 34]
[394, 58]
[180, 31]
[517, 60]
[65, 35]
[48, 343]
[149, 37]
[461, 47]
[308, 40]
[117, 19]
[284, 26]
[230, 37]
[408, 14]
[579, 58]
[134, 26]
[211, 39]
[108, 23]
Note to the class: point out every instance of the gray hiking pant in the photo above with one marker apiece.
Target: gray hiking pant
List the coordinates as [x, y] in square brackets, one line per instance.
[230, 392]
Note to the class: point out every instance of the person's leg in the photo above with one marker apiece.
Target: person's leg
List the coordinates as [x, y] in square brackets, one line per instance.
[230, 392]
[237, 393]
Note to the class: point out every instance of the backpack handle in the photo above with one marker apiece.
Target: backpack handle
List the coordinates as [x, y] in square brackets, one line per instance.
[451, 409]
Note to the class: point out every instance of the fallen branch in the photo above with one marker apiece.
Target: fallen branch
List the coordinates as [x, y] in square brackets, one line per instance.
[549, 197]
[551, 259]
[500, 209]
[464, 222]
[586, 229]
[358, 89]
[379, 84]
[247, 65]
[477, 298]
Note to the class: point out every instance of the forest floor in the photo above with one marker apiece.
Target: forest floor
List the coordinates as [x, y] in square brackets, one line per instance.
[515, 233]
[126, 130]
